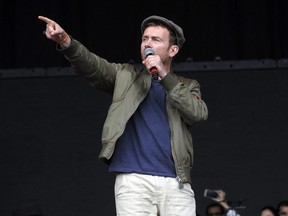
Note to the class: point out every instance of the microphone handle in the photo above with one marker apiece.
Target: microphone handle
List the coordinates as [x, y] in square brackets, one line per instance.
[154, 73]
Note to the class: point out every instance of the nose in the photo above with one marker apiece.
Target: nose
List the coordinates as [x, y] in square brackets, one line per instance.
[147, 46]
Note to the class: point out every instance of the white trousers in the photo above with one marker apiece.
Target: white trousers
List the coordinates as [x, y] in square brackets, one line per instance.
[146, 195]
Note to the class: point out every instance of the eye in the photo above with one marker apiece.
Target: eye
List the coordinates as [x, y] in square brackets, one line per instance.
[156, 39]
[144, 39]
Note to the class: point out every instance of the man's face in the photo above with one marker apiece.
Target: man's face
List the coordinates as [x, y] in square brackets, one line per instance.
[157, 38]
[283, 211]
[214, 211]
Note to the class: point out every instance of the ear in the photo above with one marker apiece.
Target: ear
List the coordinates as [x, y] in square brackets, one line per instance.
[174, 49]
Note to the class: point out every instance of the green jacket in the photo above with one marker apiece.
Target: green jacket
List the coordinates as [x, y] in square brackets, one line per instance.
[129, 85]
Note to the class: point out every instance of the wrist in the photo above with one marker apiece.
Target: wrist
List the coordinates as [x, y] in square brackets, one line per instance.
[64, 39]
[224, 204]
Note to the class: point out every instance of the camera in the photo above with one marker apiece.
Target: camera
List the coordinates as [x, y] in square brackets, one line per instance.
[210, 193]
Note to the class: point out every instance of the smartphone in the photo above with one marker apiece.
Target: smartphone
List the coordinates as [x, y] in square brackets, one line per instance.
[210, 193]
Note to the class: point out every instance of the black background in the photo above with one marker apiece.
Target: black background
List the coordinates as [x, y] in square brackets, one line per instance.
[231, 29]
[50, 127]
[50, 141]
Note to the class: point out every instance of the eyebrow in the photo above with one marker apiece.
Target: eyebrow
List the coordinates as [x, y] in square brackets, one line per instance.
[153, 37]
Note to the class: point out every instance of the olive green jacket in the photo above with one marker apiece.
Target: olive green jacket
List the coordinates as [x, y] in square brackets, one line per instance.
[129, 85]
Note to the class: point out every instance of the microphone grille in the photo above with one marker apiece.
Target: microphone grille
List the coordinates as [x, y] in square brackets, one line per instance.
[148, 51]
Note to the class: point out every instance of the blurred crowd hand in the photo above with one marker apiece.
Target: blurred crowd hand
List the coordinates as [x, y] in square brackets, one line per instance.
[221, 198]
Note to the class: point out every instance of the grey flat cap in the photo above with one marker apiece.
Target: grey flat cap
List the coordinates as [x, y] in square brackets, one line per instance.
[169, 24]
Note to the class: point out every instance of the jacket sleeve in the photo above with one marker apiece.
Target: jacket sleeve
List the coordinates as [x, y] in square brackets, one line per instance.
[98, 71]
[185, 95]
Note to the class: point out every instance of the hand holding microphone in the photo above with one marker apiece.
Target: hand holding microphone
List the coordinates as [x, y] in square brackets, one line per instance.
[153, 70]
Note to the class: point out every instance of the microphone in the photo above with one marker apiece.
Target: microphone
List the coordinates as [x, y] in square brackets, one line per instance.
[153, 70]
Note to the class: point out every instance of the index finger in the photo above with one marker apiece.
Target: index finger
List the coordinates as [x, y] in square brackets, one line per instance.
[45, 19]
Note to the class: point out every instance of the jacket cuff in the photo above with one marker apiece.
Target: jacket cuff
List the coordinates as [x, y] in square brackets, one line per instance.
[169, 82]
[68, 51]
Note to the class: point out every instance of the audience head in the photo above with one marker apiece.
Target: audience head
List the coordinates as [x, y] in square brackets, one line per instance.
[282, 208]
[268, 211]
[215, 209]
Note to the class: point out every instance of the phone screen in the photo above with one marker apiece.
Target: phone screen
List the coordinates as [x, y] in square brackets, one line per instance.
[210, 193]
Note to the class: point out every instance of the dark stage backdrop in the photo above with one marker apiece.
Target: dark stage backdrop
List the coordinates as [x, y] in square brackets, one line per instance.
[231, 29]
[50, 130]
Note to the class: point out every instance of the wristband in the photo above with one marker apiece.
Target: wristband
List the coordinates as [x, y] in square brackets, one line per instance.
[64, 39]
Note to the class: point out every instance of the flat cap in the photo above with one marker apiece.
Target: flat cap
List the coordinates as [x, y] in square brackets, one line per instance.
[169, 24]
